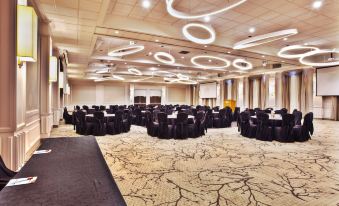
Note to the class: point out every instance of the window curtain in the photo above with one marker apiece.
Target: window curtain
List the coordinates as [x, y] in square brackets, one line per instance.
[294, 82]
[306, 91]
[285, 91]
[212, 102]
[264, 91]
[255, 92]
[235, 89]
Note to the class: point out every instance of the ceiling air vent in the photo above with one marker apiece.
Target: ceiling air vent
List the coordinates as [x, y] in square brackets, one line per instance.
[275, 66]
[184, 52]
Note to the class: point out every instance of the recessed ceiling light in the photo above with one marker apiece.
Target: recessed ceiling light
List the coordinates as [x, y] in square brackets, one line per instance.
[305, 44]
[153, 69]
[157, 40]
[125, 63]
[285, 39]
[228, 52]
[263, 56]
[317, 4]
[205, 46]
[207, 18]
[209, 60]
[251, 30]
[183, 57]
[146, 4]
[150, 53]
[117, 32]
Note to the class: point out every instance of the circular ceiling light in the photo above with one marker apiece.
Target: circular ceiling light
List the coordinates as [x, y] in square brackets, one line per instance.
[103, 71]
[283, 52]
[239, 64]
[170, 58]
[194, 39]
[226, 62]
[265, 38]
[183, 15]
[127, 50]
[164, 73]
[135, 71]
[319, 64]
[183, 81]
[182, 77]
[118, 77]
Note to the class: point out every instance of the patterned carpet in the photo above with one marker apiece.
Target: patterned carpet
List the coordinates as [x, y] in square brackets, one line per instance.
[223, 168]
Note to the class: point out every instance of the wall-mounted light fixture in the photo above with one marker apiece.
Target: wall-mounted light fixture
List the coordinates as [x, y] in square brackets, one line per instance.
[27, 34]
[53, 69]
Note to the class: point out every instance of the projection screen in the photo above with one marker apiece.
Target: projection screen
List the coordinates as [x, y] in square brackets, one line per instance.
[208, 90]
[328, 81]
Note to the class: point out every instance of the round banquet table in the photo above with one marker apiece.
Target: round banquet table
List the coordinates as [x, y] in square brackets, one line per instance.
[274, 120]
[172, 118]
[106, 116]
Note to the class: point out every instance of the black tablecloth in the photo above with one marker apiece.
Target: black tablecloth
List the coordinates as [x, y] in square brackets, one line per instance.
[74, 173]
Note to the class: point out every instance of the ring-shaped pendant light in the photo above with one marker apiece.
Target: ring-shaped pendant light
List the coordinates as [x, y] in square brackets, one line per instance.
[265, 38]
[194, 39]
[170, 58]
[284, 51]
[195, 58]
[182, 15]
[237, 64]
[135, 71]
[318, 64]
[127, 50]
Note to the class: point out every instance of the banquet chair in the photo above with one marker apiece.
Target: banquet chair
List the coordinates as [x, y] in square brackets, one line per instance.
[236, 114]
[99, 128]
[264, 130]
[304, 132]
[284, 111]
[219, 121]
[152, 127]
[196, 129]
[297, 117]
[181, 126]
[67, 117]
[85, 107]
[102, 108]
[244, 124]
[121, 123]
[165, 130]
[283, 133]
[5, 174]
[228, 117]
[83, 126]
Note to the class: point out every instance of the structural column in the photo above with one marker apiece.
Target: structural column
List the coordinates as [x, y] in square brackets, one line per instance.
[46, 114]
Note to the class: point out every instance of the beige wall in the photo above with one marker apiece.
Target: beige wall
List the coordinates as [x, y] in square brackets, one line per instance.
[107, 93]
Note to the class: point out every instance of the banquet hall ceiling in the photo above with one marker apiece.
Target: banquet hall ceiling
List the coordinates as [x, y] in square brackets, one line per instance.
[88, 29]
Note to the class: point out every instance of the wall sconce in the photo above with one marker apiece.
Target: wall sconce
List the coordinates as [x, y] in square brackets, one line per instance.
[68, 89]
[27, 34]
[61, 80]
[53, 69]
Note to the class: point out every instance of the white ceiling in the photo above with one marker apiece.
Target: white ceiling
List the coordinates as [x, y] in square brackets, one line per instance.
[78, 26]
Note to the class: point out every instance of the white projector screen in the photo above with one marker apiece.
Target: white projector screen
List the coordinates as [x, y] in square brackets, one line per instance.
[328, 81]
[208, 90]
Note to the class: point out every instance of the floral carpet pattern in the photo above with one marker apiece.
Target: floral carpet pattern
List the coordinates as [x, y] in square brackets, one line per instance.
[223, 168]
